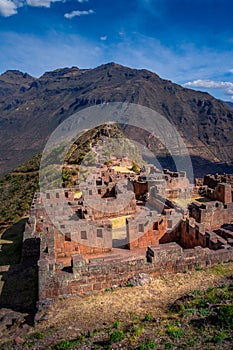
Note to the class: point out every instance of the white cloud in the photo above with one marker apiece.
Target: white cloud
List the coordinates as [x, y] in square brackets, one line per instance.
[40, 3]
[104, 38]
[231, 70]
[78, 13]
[227, 86]
[8, 8]
[209, 84]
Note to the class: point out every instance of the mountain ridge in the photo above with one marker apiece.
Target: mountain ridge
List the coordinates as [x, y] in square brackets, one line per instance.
[31, 108]
[229, 103]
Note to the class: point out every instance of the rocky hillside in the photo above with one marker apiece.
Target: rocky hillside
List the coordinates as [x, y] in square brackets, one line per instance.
[18, 187]
[30, 108]
[229, 104]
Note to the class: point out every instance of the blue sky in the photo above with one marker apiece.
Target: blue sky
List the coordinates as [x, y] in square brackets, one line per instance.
[187, 41]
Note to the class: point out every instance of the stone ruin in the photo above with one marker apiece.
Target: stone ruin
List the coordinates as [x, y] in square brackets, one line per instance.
[75, 226]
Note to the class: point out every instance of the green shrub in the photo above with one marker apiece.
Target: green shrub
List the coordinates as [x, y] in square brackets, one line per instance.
[116, 336]
[225, 316]
[196, 292]
[69, 344]
[129, 284]
[175, 332]
[190, 311]
[36, 335]
[150, 344]
[136, 331]
[148, 317]
[135, 168]
[117, 324]
[90, 334]
[217, 339]
[168, 345]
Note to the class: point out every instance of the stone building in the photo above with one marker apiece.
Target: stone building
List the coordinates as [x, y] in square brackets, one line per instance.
[75, 227]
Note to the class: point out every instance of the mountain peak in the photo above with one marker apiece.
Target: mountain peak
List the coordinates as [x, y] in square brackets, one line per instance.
[16, 76]
[113, 65]
[32, 108]
[62, 72]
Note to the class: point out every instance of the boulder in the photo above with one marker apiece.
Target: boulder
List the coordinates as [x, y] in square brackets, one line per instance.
[140, 279]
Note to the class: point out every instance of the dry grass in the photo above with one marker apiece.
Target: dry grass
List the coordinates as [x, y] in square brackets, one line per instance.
[4, 241]
[76, 320]
[182, 202]
[119, 227]
[123, 169]
[95, 311]
[185, 202]
[119, 222]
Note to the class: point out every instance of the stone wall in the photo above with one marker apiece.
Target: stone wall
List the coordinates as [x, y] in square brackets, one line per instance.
[212, 181]
[111, 208]
[189, 234]
[142, 233]
[212, 214]
[223, 193]
[86, 239]
[98, 274]
[140, 188]
[176, 180]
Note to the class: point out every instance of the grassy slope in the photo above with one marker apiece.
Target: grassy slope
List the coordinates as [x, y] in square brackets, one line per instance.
[16, 192]
[18, 187]
[187, 311]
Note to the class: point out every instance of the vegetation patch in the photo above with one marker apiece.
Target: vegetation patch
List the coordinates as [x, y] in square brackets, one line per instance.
[11, 243]
[16, 192]
[201, 318]
[69, 344]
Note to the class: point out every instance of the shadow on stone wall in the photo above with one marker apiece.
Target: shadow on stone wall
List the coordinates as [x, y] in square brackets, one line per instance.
[19, 271]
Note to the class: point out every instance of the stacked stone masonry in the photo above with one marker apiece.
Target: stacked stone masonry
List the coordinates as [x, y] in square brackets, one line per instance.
[75, 228]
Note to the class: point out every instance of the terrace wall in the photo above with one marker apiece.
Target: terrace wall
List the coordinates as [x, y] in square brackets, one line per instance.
[98, 274]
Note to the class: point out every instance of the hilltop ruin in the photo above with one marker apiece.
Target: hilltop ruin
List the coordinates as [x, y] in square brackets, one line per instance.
[82, 251]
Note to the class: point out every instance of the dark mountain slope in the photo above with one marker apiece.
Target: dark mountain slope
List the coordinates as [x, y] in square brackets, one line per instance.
[229, 104]
[13, 81]
[31, 108]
